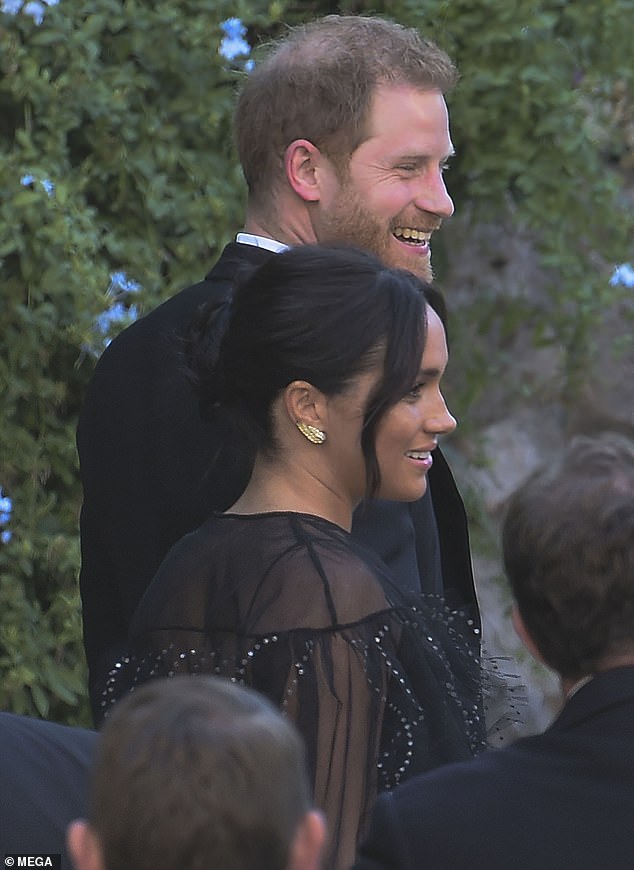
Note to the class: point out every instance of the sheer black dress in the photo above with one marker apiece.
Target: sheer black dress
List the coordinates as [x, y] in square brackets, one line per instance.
[381, 685]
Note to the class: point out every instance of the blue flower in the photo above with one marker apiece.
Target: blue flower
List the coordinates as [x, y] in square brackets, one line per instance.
[6, 509]
[120, 283]
[232, 48]
[6, 506]
[115, 314]
[35, 9]
[118, 314]
[623, 274]
[233, 28]
[29, 180]
[233, 43]
[11, 7]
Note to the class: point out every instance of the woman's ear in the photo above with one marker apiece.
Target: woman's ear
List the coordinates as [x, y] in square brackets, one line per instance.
[304, 403]
[300, 163]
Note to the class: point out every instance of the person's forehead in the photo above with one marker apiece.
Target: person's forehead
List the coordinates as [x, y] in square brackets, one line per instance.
[394, 98]
[402, 114]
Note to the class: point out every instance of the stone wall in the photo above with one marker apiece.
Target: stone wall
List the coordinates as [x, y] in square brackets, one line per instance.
[522, 417]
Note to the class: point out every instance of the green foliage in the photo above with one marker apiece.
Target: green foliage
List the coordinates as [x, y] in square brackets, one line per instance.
[535, 81]
[126, 109]
[125, 106]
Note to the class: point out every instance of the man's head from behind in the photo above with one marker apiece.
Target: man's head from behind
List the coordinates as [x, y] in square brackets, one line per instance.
[197, 772]
[342, 132]
[568, 541]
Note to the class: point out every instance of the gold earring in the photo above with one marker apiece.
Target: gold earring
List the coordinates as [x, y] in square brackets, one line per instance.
[314, 435]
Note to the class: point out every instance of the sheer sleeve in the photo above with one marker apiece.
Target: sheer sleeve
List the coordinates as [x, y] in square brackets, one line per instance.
[345, 747]
[373, 682]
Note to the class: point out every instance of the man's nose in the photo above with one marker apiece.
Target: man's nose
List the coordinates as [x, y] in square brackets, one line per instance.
[433, 196]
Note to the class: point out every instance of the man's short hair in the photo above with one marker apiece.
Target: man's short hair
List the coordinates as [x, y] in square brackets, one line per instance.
[317, 83]
[194, 773]
[568, 541]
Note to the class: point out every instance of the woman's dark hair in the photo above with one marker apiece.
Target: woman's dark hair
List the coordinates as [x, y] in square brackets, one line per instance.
[323, 314]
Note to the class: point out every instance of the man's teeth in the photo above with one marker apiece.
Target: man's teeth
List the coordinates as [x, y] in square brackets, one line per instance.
[411, 234]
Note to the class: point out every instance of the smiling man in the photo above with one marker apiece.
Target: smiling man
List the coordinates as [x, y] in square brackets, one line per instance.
[361, 159]
[343, 136]
[390, 196]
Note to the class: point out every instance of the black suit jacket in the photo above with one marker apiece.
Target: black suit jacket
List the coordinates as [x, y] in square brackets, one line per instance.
[153, 471]
[44, 777]
[563, 799]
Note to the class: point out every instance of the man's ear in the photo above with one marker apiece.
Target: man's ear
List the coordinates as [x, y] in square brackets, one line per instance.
[524, 634]
[301, 161]
[307, 848]
[83, 846]
[304, 403]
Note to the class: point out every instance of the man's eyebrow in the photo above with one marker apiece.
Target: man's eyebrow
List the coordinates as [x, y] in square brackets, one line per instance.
[420, 157]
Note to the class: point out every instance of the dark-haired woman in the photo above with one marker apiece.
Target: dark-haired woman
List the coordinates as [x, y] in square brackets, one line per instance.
[331, 364]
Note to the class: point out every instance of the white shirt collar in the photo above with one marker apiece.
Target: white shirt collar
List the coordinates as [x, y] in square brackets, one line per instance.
[261, 242]
[578, 685]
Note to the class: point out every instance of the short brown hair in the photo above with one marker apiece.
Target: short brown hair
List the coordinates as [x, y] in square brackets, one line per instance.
[568, 541]
[317, 83]
[197, 772]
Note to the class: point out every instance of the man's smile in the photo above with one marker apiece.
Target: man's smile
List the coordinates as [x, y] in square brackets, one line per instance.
[412, 235]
